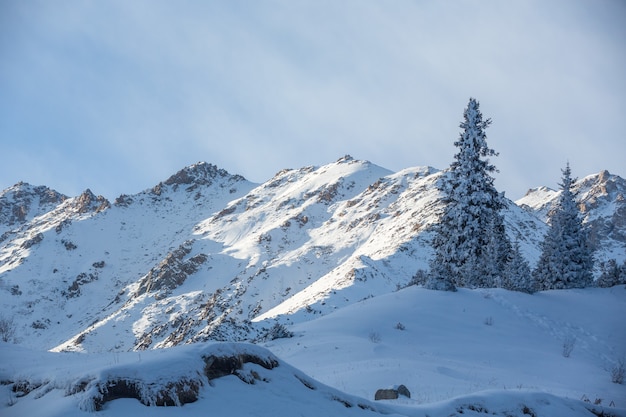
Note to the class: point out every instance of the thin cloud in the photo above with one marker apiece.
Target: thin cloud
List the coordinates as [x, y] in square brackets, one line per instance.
[141, 89]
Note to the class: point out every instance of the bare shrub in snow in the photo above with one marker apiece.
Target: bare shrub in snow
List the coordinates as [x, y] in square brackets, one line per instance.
[7, 329]
[618, 372]
[489, 321]
[400, 326]
[568, 346]
[277, 331]
[374, 337]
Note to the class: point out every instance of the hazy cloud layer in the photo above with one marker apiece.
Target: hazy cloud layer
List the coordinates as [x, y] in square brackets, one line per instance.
[118, 95]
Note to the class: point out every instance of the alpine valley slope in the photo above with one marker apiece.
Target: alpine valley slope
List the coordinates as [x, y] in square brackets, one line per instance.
[206, 255]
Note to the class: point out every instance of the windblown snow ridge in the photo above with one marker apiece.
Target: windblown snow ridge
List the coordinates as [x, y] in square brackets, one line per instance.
[171, 377]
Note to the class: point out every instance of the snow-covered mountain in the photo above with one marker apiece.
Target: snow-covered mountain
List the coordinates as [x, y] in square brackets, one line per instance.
[323, 252]
[206, 255]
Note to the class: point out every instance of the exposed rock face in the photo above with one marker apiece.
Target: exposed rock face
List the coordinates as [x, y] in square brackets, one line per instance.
[183, 390]
[123, 200]
[602, 200]
[32, 241]
[23, 201]
[172, 271]
[200, 174]
[88, 202]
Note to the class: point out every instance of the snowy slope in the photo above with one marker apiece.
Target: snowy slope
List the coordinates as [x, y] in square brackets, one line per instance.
[87, 251]
[443, 344]
[305, 243]
[454, 361]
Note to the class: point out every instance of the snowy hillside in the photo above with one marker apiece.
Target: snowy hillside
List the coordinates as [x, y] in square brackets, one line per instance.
[469, 353]
[444, 344]
[60, 271]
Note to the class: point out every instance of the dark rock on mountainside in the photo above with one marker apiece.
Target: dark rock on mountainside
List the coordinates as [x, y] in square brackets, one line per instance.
[172, 271]
[88, 202]
[200, 174]
[23, 201]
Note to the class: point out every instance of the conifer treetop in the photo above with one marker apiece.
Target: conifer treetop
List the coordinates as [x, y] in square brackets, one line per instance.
[472, 141]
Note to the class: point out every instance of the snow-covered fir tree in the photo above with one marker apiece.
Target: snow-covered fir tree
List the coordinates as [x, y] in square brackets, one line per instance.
[470, 243]
[611, 274]
[517, 274]
[566, 259]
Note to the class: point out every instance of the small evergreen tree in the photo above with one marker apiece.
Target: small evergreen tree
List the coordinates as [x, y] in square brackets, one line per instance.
[566, 259]
[517, 275]
[611, 274]
[470, 243]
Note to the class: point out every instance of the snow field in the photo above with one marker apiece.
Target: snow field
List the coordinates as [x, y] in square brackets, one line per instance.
[459, 343]
[469, 353]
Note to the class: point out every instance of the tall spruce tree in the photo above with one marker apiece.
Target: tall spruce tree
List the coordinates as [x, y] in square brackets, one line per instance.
[470, 243]
[566, 259]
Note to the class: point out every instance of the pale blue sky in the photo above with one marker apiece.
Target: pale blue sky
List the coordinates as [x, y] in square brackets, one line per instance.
[118, 95]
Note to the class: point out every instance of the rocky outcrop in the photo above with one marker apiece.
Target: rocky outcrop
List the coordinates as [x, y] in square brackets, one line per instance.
[199, 174]
[184, 390]
[172, 271]
[23, 201]
[602, 200]
[88, 202]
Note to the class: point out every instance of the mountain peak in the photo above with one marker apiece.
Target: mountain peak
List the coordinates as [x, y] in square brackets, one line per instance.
[23, 201]
[200, 173]
[345, 158]
[602, 183]
[88, 202]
